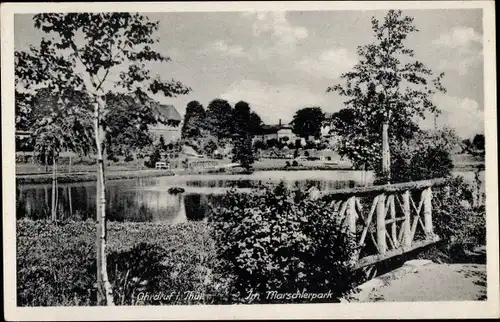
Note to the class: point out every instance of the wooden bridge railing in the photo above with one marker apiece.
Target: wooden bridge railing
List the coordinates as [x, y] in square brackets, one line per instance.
[387, 220]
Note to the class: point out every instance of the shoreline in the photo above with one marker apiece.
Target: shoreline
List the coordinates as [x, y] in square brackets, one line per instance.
[153, 173]
[43, 178]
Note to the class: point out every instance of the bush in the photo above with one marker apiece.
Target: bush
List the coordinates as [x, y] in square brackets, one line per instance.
[276, 239]
[287, 163]
[153, 158]
[460, 226]
[295, 163]
[455, 220]
[422, 164]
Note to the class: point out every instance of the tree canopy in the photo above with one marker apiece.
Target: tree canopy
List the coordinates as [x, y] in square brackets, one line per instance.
[308, 122]
[219, 118]
[61, 122]
[387, 85]
[242, 137]
[194, 120]
[479, 142]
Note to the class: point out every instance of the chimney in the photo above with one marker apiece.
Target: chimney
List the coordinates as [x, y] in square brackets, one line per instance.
[280, 123]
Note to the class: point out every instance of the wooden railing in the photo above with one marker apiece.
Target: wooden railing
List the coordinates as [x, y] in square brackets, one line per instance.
[387, 220]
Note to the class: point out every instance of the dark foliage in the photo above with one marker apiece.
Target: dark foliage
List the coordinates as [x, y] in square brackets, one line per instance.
[279, 240]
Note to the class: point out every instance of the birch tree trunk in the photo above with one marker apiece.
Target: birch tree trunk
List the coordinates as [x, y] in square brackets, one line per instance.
[70, 201]
[386, 163]
[54, 178]
[104, 289]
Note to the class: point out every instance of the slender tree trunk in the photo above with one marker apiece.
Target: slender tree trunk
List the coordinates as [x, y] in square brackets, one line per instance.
[54, 178]
[70, 202]
[386, 163]
[104, 289]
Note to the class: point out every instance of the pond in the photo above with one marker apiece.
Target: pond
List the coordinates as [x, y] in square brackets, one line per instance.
[147, 199]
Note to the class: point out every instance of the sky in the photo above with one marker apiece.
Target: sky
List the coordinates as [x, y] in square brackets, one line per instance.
[282, 61]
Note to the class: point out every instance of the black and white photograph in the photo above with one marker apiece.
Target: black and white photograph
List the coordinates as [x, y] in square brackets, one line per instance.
[236, 160]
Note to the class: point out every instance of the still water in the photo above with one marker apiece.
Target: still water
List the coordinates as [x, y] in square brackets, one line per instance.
[147, 199]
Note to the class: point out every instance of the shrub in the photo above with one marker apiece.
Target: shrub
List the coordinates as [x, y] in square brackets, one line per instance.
[460, 226]
[287, 163]
[421, 164]
[128, 158]
[153, 158]
[276, 239]
[295, 163]
[453, 215]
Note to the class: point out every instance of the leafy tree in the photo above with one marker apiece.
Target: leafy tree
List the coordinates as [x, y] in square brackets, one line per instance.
[478, 142]
[219, 118]
[445, 139]
[24, 110]
[162, 143]
[426, 156]
[271, 143]
[60, 124]
[194, 120]
[260, 145]
[242, 139]
[255, 124]
[466, 146]
[84, 51]
[153, 158]
[308, 121]
[387, 86]
[126, 119]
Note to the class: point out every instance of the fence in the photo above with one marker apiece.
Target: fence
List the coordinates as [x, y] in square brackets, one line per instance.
[388, 220]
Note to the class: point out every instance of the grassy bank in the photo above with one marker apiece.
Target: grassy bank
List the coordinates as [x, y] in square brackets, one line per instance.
[82, 177]
[56, 262]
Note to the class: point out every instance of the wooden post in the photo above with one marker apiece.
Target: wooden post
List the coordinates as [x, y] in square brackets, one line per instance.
[351, 223]
[394, 225]
[427, 204]
[381, 231]
[351, 214]
[407, 222]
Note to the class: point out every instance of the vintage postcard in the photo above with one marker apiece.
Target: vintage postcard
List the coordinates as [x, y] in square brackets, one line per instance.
[249, 160]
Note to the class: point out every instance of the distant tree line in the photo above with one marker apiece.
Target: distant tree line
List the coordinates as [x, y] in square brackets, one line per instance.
[206, 130]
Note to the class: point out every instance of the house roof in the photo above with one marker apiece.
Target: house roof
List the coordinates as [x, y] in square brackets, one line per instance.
[169, 113]
[270, 129]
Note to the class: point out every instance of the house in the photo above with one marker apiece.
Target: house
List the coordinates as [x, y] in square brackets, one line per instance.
[169, 124]
[277, 132]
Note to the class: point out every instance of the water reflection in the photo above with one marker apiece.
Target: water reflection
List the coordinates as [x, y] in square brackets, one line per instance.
[148, 199]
